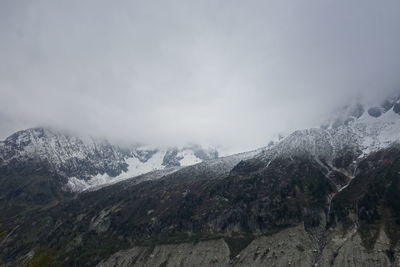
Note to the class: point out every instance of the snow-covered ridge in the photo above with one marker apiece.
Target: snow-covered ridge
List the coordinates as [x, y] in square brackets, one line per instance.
[218, 167]
[91, 162]
[358, 129]
[158, 161]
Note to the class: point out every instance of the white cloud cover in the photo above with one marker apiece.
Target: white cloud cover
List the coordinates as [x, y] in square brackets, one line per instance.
[230, 73]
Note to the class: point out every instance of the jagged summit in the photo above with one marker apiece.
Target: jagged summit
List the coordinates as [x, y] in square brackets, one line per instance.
[87, 162]
[356, 130]
[312, 197]
[359, 127]
[353, 111]
[342, 142]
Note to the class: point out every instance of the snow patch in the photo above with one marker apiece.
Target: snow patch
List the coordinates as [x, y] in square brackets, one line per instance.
[135, 168]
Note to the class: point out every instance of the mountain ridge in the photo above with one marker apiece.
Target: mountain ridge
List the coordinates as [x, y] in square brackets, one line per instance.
[91, 162]
[318, 197]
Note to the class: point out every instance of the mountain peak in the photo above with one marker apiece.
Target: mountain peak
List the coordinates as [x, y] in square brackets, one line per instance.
[90, 161]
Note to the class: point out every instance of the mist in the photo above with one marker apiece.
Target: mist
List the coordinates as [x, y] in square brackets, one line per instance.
[219, 73]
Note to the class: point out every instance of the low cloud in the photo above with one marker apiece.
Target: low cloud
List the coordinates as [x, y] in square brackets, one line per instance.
[227, 73]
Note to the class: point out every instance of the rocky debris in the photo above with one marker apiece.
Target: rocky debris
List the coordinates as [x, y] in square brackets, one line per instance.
[263, 213]
[290, 247]
[283, 204]
[204, 253]
[348, 250]
[318, 197]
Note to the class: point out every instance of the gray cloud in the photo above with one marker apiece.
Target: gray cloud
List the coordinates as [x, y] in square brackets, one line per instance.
[232, 73]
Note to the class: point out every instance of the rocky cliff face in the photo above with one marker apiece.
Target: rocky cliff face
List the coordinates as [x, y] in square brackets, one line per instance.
[88, 162]
[288, 212]
[319, 197]
[290, 247]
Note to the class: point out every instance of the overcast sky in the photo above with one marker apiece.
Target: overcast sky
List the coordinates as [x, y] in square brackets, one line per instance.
[230, 73]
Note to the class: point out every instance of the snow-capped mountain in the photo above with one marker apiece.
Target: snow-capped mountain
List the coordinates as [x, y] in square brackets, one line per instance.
[352, 134]
[88, 162]
[322, 191]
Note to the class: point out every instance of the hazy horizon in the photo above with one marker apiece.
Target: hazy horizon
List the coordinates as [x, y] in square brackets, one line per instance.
[218, 73]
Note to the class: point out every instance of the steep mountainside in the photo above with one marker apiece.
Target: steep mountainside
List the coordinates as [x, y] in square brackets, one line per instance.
[89, 162]
[260, 213]
[319, 197]
[354, 130]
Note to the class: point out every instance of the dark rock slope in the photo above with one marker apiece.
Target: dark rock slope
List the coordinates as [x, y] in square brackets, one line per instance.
[319, 197]
[258, 213]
